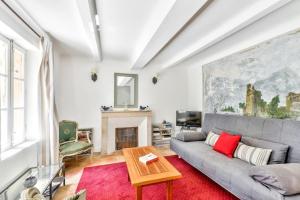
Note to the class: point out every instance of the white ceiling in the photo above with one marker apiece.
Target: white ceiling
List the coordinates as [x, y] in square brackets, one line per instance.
[209, 21]
[123, 24]
[137, 31]
[61, 19]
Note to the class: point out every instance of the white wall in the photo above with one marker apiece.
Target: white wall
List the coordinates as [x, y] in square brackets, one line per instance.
[194, 88]
[79, 98]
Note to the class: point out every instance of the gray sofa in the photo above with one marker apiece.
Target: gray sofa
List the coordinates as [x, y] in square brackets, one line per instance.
[232, 174]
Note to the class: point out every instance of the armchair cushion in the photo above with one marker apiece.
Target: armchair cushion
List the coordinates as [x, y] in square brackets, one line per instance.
[67, 131]
[74, 147]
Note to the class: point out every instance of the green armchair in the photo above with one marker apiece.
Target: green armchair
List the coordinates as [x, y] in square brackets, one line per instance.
[69, 142]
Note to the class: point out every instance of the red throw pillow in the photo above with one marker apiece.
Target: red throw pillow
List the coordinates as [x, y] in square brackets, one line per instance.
[227, 143]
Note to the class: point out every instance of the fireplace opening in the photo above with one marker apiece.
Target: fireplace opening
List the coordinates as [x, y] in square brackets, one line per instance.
[126, 137]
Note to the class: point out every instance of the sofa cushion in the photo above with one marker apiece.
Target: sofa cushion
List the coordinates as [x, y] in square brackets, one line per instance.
[190, 136]
[252, 155]
[227, 144]
[211, 138]
[284, 178]
[279, 151]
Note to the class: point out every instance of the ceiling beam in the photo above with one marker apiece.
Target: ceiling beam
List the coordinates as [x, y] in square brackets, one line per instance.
[244, 19]
[178, 16]
[87, 11]
[96, 26]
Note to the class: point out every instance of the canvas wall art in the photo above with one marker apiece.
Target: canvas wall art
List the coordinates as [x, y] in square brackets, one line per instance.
[262, 81]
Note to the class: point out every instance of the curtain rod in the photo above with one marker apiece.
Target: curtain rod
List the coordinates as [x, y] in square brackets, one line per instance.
[12, 10]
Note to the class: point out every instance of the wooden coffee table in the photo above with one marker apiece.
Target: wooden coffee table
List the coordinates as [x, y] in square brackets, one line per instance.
[156, 172]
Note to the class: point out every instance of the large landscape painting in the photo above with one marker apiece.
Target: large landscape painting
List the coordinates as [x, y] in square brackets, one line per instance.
[261, 81]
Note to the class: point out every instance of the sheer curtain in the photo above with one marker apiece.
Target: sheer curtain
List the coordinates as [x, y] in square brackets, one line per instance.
[49, 142]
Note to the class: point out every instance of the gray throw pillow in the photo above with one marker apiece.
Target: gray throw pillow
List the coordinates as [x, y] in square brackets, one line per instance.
[190, 136]
[284, 178]
[279, 151]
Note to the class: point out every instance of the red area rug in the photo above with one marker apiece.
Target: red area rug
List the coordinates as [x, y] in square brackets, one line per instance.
[109, 182]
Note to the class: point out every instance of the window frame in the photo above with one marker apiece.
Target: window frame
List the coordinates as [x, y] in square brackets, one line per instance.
[8, 42]
[23, 51]
[10, 101]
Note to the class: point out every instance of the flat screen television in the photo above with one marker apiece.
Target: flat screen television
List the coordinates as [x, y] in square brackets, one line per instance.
[188, 118]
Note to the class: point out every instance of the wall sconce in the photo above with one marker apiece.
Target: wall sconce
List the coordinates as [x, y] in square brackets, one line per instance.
[155, 78]
[94, 75]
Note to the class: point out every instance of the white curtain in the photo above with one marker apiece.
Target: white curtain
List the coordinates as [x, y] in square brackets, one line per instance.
[49, 142]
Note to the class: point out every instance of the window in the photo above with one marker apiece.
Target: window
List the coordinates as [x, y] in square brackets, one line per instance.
[12, 94]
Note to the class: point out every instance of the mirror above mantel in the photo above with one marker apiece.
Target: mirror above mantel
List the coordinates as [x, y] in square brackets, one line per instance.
[125, 90]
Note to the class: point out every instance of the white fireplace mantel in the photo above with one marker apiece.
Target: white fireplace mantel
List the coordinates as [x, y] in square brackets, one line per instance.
[110, 120]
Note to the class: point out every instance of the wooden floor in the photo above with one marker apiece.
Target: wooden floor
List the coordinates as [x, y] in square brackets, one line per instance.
[75, 167]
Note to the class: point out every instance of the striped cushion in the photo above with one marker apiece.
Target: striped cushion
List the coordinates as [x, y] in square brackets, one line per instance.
[253, 155]
[211, 138]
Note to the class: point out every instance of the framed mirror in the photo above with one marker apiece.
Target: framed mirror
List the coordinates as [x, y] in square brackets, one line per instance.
[126, 90]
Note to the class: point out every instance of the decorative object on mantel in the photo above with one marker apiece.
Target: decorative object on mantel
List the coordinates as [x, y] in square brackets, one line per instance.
[155, 78]
[106, 108]
[144, 108]
[94, 75]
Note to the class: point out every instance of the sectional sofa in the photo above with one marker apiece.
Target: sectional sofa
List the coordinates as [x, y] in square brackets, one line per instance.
[233, 174]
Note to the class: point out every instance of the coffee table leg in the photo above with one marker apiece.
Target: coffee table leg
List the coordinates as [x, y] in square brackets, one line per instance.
[138, 193]
[169, 190]
[50, 190]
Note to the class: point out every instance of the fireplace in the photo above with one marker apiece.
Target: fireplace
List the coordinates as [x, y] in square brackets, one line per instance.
[112, 120]
[126, 137]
